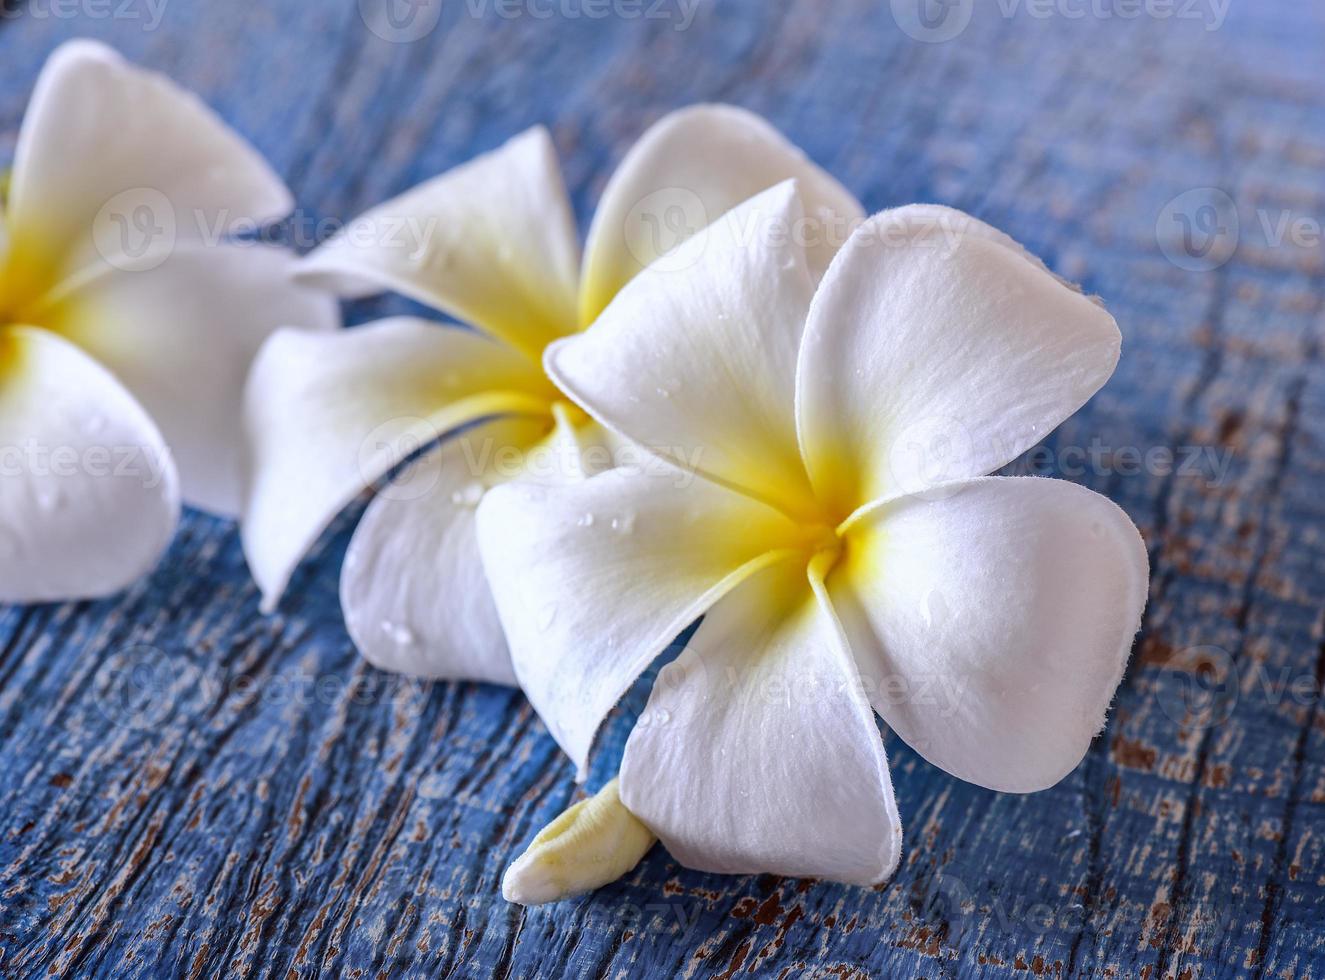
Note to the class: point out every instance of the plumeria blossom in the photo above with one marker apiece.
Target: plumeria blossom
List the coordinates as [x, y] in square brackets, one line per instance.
[493, 244]
[128, 320]
[839, 538]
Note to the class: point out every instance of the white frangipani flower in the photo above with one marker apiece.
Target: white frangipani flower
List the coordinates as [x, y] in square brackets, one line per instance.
[834, 573]
[492, 243]
[127, 322]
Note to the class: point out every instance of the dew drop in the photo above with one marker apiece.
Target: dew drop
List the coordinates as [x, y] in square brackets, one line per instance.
[469, 495]
[50, 498]
[624, 524]
[586, 521]
[399, 634]
[934, 608]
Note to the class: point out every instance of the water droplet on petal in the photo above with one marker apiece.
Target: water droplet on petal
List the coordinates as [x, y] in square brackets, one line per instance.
[50, 498]
[469, 495]
[399, 634]
[624, 524]
[586, 521]
[934, 608]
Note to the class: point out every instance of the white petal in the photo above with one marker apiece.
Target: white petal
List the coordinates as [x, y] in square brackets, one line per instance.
[104, 142]
[329, 414]
[932, 357]
[686, 171]
[491, 242]
[757, 753]
[994, 623]
[415, 597]
[89, 498]
[181, 336]
[594, 579]
[696, 357]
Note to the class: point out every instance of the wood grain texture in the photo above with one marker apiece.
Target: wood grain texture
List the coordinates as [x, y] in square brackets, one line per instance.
[187, 788]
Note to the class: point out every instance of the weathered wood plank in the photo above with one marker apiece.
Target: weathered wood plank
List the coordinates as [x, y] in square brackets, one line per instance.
[188, 788]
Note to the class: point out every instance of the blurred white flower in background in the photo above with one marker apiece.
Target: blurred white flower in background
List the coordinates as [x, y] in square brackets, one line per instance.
[128, 320]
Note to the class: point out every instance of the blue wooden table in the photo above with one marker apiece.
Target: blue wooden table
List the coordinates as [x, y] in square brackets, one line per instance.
[189, 788]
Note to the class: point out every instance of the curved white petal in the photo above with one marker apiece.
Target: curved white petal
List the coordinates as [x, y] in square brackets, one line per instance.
[110, 155]
[327, 414]
[491, 242]
[696, 357]
[757, 752]
[690, 168]
[89, 498]
[993, 624]
[181, 336]
[594, 579]
[931, 357]
[415, 597]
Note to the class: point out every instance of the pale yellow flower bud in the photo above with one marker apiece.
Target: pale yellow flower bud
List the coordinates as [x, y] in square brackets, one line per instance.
[593, 843]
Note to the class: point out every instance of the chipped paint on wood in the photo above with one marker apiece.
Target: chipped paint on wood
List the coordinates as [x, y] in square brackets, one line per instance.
[187, 788]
